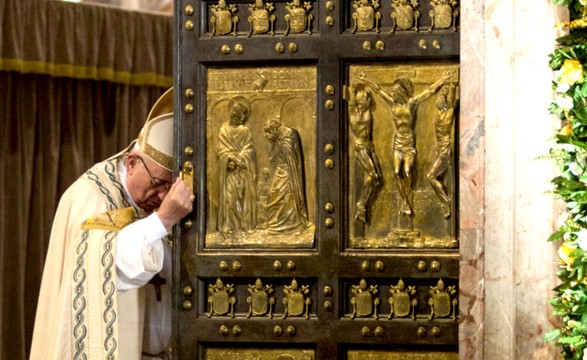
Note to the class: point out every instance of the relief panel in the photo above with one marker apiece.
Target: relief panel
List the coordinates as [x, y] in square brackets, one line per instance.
[401, 299]
[401, 121]
[400, 16]
[259, 18]
[259, 354]
[401, 355]
[259, 298]
[260, 132]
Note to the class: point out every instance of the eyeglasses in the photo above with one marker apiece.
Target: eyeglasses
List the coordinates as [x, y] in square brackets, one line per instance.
[157, 183]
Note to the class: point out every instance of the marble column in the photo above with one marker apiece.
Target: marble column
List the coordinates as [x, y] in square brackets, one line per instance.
[506, 212]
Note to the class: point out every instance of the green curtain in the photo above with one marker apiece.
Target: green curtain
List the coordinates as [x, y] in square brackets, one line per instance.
[73, 91]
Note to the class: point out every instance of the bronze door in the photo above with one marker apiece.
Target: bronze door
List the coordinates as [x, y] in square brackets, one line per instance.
[320, 139]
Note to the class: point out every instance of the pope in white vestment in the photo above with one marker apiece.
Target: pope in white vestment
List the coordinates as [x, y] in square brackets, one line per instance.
[107, 243]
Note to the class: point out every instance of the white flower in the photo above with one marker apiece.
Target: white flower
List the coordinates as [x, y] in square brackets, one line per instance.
[573, 168]
[582, 239]
[561, 87]
[564, 102]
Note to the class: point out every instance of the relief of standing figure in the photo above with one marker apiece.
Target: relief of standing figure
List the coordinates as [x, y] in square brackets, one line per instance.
[361, 122]
[286, 201]
[404, 105]
[237, 164]
[446, 103]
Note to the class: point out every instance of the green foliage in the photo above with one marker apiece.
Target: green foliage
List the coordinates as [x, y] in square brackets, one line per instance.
[570, 154]
[562, 2]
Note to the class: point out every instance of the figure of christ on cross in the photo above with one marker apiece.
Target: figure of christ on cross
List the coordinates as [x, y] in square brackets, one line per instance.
[403, 105]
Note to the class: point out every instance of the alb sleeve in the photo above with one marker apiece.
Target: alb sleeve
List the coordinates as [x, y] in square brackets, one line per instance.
[139, 252]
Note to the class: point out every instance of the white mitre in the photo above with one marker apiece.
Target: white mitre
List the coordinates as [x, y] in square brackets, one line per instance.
[156, 137]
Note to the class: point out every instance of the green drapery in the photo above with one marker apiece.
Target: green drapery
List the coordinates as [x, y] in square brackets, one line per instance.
[76, 83]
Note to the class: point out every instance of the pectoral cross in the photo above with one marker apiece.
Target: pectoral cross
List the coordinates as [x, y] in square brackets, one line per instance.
[157, 281]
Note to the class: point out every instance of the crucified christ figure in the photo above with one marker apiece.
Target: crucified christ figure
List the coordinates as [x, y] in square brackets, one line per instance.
[404, 105]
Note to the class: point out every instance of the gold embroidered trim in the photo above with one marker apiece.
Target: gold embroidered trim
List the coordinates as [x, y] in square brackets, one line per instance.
[113, 220]
[159, 157]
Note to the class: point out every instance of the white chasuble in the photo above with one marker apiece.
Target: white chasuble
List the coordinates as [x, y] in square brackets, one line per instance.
[80, 314]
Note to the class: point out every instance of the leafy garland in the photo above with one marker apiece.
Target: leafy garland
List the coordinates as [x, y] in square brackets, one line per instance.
[570, 153]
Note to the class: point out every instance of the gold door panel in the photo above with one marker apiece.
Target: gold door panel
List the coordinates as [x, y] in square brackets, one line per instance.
[401, 182]
[261, 173]
[259, 354]
[401, 355]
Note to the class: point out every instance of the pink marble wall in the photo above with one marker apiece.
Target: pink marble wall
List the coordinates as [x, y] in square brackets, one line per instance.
[506, 212]
[471, 180]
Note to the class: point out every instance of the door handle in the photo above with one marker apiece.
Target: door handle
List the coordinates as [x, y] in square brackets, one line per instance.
[187, 174]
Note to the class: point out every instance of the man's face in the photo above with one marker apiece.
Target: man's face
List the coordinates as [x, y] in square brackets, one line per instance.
[362, 100]
[140, 184]
[399, 93]
[237, 115]
[444, 90]
[442, 102]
